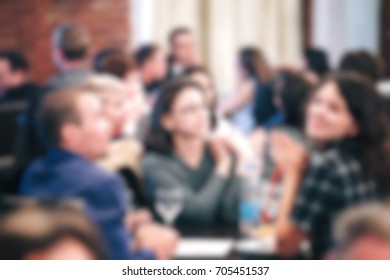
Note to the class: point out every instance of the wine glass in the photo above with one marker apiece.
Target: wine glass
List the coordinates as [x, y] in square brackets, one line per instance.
[169, 203]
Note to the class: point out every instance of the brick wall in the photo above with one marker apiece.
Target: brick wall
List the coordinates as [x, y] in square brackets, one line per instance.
[27, 25]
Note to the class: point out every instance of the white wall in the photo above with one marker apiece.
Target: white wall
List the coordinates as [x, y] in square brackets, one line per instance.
[341, 25]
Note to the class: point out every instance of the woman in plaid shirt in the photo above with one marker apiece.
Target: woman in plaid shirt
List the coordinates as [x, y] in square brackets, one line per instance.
[350, 131]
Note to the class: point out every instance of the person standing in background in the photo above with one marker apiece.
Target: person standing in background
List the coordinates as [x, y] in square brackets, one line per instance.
[121, 65]
[183, 52]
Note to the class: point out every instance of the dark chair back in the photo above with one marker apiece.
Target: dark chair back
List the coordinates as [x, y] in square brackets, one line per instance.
[10, 114]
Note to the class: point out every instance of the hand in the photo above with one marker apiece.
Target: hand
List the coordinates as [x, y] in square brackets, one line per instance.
[159, 239]
[138, 218]
[222, 156]
[287, 154]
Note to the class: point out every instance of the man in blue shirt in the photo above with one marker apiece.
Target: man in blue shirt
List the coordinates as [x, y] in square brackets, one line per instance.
[72, 125]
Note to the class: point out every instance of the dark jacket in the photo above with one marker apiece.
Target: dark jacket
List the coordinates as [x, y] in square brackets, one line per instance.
[64, 175]
[26, 93]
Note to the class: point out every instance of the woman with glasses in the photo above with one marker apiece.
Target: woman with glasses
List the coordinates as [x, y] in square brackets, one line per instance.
[181, 154]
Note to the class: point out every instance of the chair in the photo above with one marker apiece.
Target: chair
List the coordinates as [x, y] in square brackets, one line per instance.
[10, 116]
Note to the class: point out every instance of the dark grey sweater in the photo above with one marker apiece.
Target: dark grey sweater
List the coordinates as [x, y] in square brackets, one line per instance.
[208, 198]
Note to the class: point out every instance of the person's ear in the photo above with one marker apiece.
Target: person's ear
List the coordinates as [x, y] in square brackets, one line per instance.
[167, 123]
[68, 133]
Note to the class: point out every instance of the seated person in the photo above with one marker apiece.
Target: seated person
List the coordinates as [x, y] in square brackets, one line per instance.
[361, 62]
[251, 103]
[70, 50]
[152, 66]
[363, 233]
[118, 63]
[348, 166]
[33, 231]
[183, 51]
[220, 125]
[112, 61]
[15, 84]
[72, 125]
[125, 152]
[201, 76]
[179, 155]
[316, 62]
[291, 92]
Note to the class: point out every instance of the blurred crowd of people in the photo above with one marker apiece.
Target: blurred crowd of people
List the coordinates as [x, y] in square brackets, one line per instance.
[99, 145]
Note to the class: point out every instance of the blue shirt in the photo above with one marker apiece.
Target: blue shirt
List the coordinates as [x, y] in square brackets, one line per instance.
[64, 175]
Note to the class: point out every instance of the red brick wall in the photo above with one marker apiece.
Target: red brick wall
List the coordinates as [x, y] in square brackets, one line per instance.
[27, 25]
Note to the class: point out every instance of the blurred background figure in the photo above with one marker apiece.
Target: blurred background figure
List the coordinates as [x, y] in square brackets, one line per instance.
[15, 83]
[363, 233]
[70, 53]
[316, 63]
[361, 62]
[152, 67]
[182, 51]
[252, 102]
[113, 61]
[35, 231]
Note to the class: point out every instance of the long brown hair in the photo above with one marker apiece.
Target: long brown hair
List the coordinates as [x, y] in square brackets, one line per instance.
[255, 64]
[372, 145]
[157, 138]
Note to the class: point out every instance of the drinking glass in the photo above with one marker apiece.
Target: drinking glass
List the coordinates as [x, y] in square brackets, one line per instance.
[169, 204]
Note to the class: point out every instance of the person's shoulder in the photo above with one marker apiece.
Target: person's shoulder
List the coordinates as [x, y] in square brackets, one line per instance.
[93, 173]
[336, 162]
[35, 166]
[152, 157]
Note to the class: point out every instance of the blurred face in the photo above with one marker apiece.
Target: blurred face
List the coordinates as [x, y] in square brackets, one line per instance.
[90, 137]
[205, 82]
[8, 77]
[66, 249]
[328, 117]
[114, 109]
[189, 115]
[158, 65]
[184, 50]
[134, 85]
